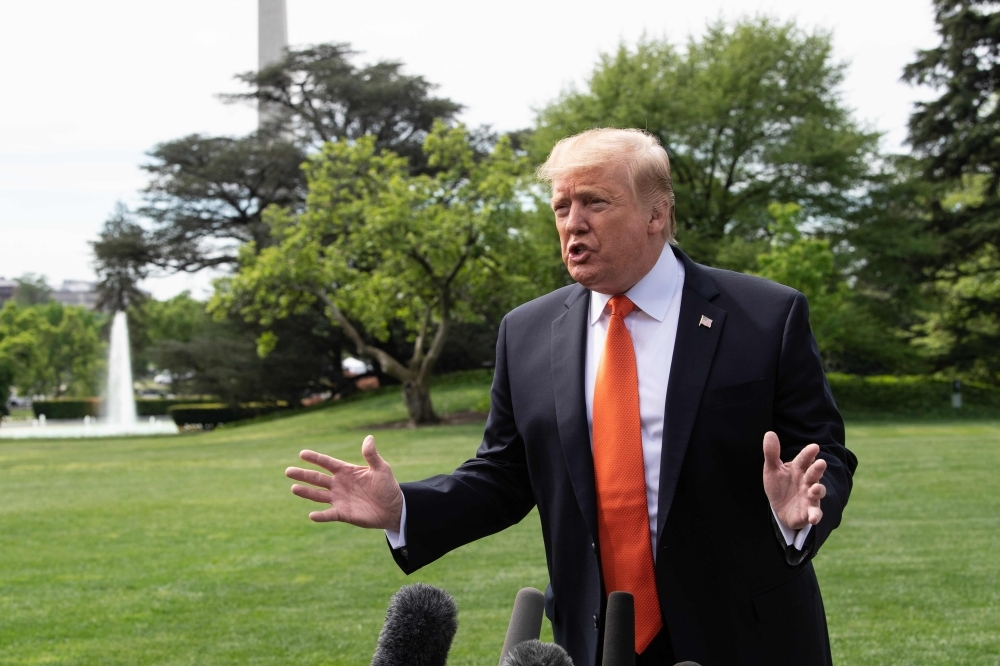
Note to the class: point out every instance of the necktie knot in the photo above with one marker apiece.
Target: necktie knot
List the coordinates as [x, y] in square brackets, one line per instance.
[621, 306]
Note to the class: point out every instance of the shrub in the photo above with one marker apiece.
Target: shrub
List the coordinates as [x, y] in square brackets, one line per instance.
[911, 396]
[77, 408]
[161, 406]
[212, 414]
[67, 408]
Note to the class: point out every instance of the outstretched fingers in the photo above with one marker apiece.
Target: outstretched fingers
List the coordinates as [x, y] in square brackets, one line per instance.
[806, 457]
[315, 494]
[310, 476]
[331, 465]
[816, 492]
[815, 472]
[326, 516]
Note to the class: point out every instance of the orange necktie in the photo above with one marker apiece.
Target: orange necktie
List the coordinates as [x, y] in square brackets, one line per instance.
[622, 514]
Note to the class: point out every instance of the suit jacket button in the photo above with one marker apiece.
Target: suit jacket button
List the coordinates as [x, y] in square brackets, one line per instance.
[595, 622]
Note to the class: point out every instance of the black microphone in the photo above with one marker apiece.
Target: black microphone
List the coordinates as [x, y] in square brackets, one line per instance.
[525, 619]
[619, 630]
[687, 663]
[536, 653]
[420, 624]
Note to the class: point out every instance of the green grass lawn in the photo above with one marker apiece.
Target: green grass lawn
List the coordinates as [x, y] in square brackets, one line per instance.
[191, 550]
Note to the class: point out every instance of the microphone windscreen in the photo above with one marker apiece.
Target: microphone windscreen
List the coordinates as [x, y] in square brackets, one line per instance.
[536, 653]
[525, 619]
[687, 663]
[420, 624]
[619, 630]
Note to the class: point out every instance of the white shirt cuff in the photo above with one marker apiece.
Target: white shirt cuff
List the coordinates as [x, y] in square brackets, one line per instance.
[397, 539]
[792, 537]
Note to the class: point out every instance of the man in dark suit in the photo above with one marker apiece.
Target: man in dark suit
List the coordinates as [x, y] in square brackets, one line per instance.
[630, 409]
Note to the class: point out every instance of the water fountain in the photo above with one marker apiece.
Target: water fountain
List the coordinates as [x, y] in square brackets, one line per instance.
[119, 403]
[120, 416]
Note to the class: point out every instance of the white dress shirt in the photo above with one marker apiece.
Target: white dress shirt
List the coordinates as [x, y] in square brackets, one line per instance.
[653, 327]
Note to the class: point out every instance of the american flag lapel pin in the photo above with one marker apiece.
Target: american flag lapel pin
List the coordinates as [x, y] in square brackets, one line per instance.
[705, 321]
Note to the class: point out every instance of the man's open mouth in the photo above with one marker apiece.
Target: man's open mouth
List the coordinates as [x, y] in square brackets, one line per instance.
[578, 251]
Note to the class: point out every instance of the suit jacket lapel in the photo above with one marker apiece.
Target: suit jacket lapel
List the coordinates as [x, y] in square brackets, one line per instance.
[694, 349]
[569, 340]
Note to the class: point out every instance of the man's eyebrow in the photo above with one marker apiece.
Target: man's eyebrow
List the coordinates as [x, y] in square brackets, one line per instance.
[586, 191]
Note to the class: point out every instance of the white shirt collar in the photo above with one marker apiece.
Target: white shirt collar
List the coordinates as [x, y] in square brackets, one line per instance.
[651, 294]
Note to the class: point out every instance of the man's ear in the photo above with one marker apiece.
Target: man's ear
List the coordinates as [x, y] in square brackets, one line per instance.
[657, 220]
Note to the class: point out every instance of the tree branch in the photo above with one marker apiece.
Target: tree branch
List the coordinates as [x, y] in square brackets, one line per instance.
[469, 244]
[418, 345]
[389, 365]
[425, 264]
[437, 345]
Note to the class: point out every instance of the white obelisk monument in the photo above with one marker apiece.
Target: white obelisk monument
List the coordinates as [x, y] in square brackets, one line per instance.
[272, 40]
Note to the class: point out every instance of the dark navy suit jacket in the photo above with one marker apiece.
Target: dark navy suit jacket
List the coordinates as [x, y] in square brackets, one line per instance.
[730, 593]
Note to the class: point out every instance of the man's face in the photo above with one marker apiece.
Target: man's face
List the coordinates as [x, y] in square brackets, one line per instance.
[609, 242]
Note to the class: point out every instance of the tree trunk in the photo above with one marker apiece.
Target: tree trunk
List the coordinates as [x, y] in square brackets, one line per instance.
[417, 396]
[415, 377]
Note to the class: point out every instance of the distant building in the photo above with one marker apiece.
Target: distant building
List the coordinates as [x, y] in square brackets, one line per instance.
[72, 292]
[76, 292]
[7, 288]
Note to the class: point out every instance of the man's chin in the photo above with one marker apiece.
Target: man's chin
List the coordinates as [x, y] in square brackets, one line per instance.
[584, 275]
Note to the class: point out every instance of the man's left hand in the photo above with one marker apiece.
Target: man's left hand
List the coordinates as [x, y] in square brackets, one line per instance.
[793, 488]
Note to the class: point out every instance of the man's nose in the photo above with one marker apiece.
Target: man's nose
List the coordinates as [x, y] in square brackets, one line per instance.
[576, 220]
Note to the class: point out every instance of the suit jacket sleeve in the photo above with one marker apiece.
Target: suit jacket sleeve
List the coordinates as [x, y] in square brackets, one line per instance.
[483, 496]
[805, 412]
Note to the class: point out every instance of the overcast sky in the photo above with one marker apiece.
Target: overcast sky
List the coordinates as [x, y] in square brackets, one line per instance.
[91, 86]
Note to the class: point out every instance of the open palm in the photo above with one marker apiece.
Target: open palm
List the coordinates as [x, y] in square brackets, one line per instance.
[363, 496]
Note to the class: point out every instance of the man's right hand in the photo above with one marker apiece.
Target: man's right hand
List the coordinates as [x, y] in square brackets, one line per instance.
[363, 496]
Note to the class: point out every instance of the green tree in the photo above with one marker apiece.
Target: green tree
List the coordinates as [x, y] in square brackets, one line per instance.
[885, 246]
[152, 322]
[750, 114]
[53, 349]
[18, 352]
[220, 358]
[962, 334]
[379, 246]
[957, 134]
[122, 258]
[847, 332]
[178, 318]
[204, 200]
[956, 137]
[326, 97]
[206, 195]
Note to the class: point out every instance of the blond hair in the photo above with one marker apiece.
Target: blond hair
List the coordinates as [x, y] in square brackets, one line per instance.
[645, 161]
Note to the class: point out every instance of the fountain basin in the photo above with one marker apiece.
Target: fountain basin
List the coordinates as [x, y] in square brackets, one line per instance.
[74, 429]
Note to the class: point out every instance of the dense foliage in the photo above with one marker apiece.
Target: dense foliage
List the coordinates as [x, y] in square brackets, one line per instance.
[956, 136]
[322, 96]
[398, 232]
[203, 209]
[749, 114]
[378, 245]
[206, 356]
[50, 349]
